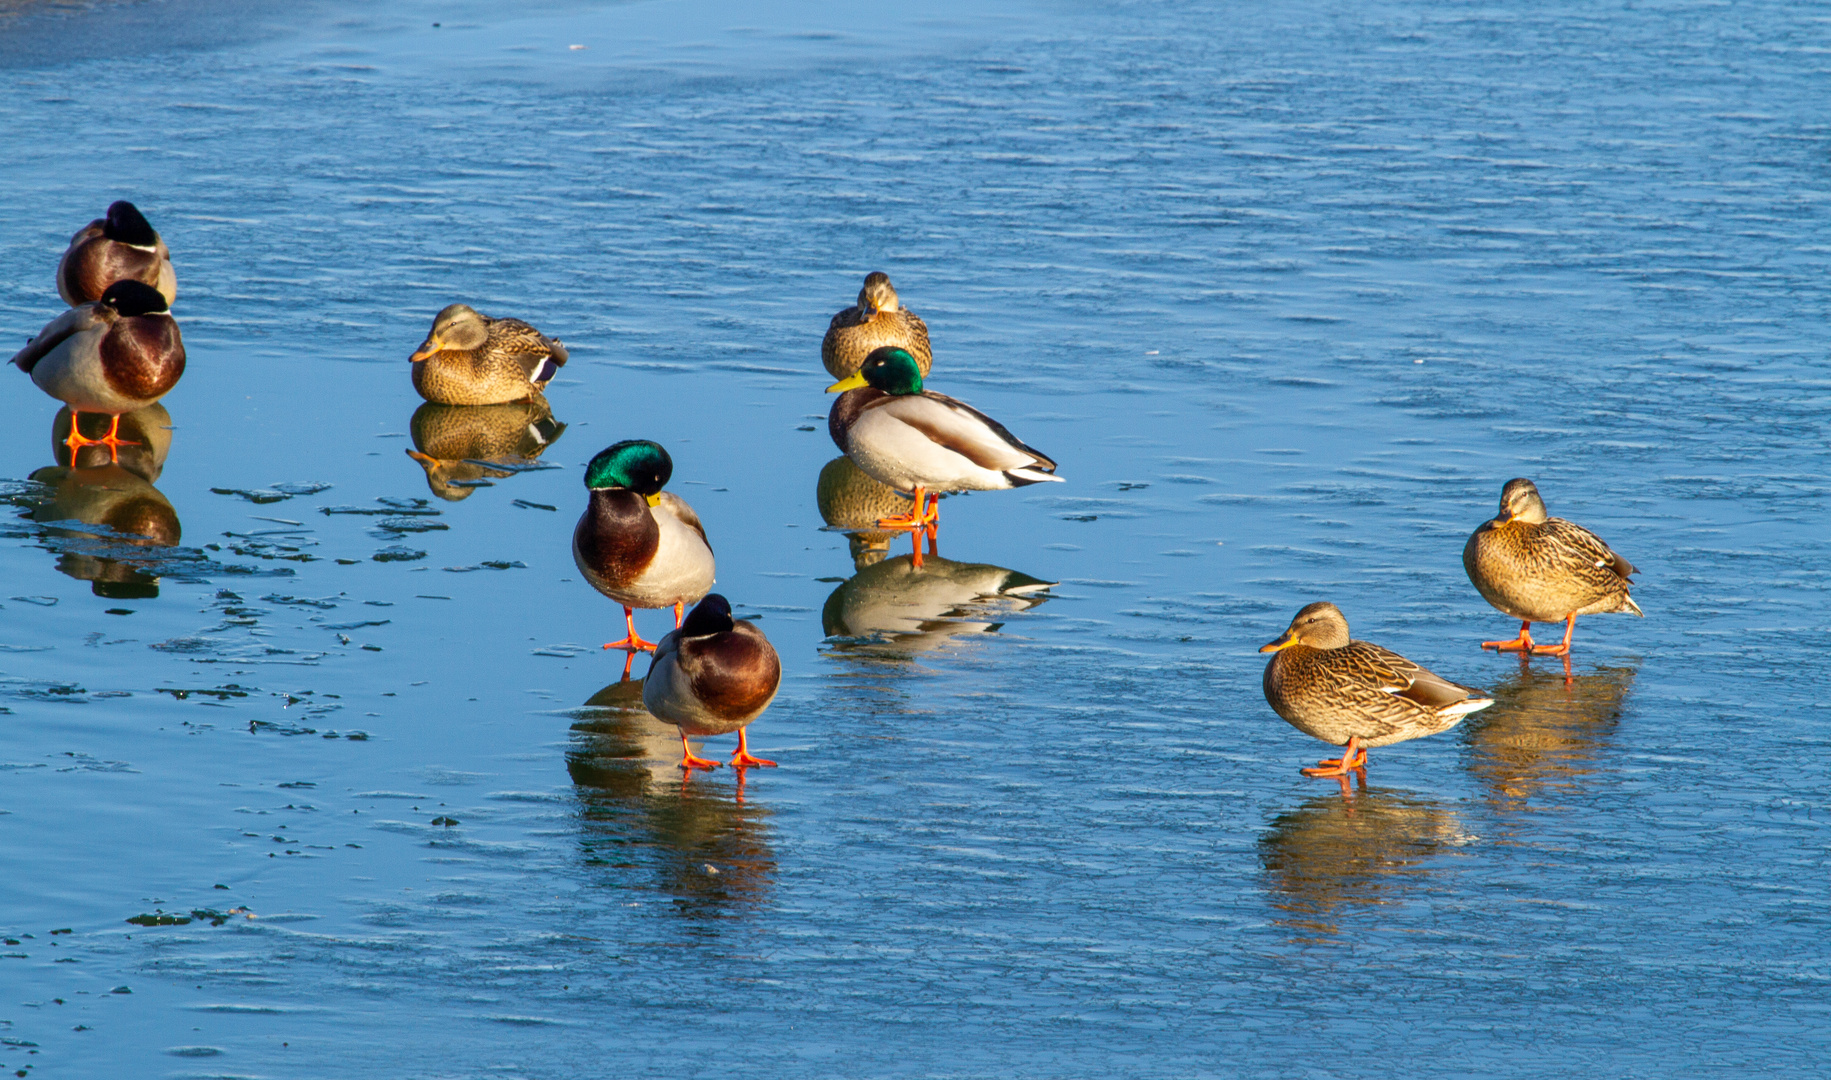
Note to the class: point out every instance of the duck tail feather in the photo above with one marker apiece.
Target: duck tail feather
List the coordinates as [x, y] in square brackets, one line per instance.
[1027, 475]
[1628, 604]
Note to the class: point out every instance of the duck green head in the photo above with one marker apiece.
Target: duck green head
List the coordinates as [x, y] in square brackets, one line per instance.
[889, 369]
[711, 616]
[636, 465]
[126, 225]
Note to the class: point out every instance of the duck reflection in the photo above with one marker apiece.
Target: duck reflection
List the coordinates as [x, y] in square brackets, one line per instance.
[1332, 854]
[457, 445]
[852, 501]
[706, 846]
[1545, 731]
[88, 488]
[893, 606]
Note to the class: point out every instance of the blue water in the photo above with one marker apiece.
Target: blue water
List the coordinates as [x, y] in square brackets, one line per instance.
[1288, 291]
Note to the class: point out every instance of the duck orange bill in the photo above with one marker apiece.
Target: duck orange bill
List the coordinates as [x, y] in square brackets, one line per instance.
[1286, 641]
[853, 382]
[424, 351]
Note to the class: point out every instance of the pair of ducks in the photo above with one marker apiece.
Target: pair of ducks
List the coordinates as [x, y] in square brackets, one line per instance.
[1357, 695]
[117, 349]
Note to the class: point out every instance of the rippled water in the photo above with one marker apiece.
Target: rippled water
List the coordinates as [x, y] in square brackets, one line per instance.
[1288, 293]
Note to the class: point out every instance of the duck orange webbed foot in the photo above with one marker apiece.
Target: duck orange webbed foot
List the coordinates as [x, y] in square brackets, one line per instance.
[1354, 757]
[689, 760]
[743, 759]
[1521, 644]
[112, 440]
[632, 641]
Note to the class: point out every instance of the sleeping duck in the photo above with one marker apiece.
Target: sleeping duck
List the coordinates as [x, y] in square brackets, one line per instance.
[120, 247]
[472, 359]
[712, 676]
[113, 355]
[637, 544]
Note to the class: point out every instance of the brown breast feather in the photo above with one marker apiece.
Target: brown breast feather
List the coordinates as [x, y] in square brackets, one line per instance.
[143, 356]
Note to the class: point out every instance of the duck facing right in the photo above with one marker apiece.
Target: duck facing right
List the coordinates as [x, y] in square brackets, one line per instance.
[1538, 568]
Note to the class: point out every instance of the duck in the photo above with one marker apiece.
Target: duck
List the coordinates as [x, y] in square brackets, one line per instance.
[1538, 568]
[713, 675]
[637, 544]
[1356, 694]
[918, 441]
[471, 359]
[877, 320]
[114, 355]
[123, 246]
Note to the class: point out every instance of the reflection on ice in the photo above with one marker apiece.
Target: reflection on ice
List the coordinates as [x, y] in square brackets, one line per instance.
[457, 445]
[892, 607]
[1543, 735]
[852, 501]
[87, 488]
[1334, 853]
[700, 841]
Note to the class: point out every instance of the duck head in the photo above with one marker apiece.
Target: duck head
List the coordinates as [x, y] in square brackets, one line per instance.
[457, 327]
[889, 369]
[636, 465]
[128, 298]
[878, 294]
[126, 225]
[1520, 501]
[710, 616]
[1320, 626]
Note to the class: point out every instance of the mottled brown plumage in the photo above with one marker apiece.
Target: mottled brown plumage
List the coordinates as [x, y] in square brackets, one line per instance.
[458, 443]
[119, 247]
[472, 359]
[877, 320]
[1538, 568]
[1355, 692]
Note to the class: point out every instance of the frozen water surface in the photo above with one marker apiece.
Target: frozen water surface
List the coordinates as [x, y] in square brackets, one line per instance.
[1288, 290]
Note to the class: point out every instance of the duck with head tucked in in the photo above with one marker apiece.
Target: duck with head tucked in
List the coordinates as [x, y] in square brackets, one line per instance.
[120, 247]
[1356, 694]
[877, 320]
[637, 544]
[712, 676]
[113, 355]
[1538, 568]
[472, 359]
[918, 441]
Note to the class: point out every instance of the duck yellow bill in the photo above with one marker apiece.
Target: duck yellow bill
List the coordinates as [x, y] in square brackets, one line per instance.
[424, 351]
[653, 500]
[1284, 642]
[856, 380]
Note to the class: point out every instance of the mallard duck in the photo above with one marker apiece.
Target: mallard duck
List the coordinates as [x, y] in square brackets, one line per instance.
[472, 359]
[113, 355]
[1355, 693]
[875, 321]
[1543, 569]
[120, 247]
[637, 544]
[922, 609]
[712, 676]
[916, 440]
[457, 445]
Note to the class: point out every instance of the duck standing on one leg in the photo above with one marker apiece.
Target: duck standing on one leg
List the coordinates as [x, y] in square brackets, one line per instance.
[1356, 694]
[1543, 569]
[877, 320]
[113, 355]
[918, 441]
[713, 676]
[637, 544]
[472, 359]
[120, 247]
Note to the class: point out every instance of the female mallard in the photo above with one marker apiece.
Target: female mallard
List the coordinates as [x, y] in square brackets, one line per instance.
[713, 676]
[120, 247]
[877, 320]
[1355, 692]
[113, 355]
[639, 545]
[472, 359]
[916, 440]
[1543, 569]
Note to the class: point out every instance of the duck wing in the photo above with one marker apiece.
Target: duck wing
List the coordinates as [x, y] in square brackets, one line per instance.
[539, 354]
[75, 321]
[678, 507]
[1402, 678]
[918, 339]
[966, 431]
[1575, 544]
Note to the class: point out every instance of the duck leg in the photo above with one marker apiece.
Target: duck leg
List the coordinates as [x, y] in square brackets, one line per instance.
[743, 759]
[1562, 648]
[920, 513]
[1521, 644]
[633, 642]
[1353, 756]
[680, 612]
[689, 760]
[112, 440]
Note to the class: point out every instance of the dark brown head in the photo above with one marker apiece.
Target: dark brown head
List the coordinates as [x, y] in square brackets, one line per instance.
[1520, 501]
[1320, 626]
[878, 294]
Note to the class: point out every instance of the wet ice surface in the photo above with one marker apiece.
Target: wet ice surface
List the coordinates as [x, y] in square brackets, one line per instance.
[1288, 296]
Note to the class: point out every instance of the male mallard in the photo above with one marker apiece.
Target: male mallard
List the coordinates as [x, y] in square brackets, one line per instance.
[472, 359]
[1355, 692]
[876, 321]
[639, 545]
[113, 355]
[916, 440]
[1543, 569]
[712, 676]
[120, 247]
